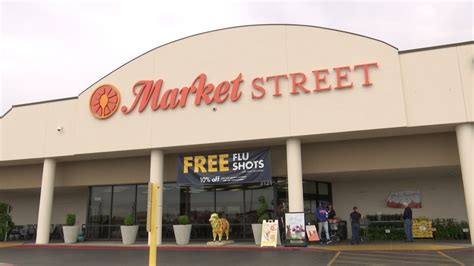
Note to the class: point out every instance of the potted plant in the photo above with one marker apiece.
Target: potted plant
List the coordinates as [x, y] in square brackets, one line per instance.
[262, 214]
[182, 230]
[129, 230]
[70, 230]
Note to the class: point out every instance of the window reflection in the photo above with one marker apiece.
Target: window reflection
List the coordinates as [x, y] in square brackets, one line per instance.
[171, 203]
[142, 201]
[123, 204]
[99, 211]
[238, 203]
[201, 201]
[252, 203]
[230, 205]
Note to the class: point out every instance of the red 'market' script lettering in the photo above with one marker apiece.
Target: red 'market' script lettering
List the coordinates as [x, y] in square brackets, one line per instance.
[147, 91]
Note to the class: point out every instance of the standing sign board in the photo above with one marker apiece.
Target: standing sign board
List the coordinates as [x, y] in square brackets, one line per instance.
[223, 168]
[312, 233]
[295, 229]
[269, 233]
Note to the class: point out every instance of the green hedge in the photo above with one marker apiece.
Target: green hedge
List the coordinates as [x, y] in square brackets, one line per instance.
[379, 234]
[385, 217]
[446, 229]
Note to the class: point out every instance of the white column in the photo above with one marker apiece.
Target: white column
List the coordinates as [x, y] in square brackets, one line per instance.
[465, 136]
[295, 175]
[156, 176]
[46, 201]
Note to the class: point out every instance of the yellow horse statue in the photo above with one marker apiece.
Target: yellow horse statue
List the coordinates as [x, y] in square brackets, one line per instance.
[219, 227]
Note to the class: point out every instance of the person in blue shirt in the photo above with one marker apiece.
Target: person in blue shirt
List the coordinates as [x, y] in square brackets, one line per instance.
[407, 222]
[322, 218]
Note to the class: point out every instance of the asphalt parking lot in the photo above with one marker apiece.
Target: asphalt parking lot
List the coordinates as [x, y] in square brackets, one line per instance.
[403, 258]
[73, 257]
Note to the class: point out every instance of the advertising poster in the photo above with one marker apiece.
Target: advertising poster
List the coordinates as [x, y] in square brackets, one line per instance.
[312, 233]
[224, 168]
[269, 233]
[412, 198]
[295, 231]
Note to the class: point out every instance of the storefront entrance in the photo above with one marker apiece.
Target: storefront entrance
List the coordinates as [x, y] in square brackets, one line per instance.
[108, 206]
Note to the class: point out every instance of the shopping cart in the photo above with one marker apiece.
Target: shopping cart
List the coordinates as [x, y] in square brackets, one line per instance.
[335, 233]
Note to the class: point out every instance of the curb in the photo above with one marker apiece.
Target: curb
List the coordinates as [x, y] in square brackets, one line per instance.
[177, 248]
[228, 248]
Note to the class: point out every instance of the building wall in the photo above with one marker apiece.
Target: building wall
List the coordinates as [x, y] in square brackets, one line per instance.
[25, 204]
[438, 85]
[415, 89]
[417, 151]
[356, 155]
[442, 197]
[380, 153]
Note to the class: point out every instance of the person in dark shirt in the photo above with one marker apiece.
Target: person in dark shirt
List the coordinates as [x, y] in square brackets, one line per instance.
[407, 222]
[331, 212]
[355, 221]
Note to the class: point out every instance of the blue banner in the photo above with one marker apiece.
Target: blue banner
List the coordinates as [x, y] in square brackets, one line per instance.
[224, 168]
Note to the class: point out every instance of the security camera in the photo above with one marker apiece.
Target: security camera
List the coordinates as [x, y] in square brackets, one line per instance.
[59, 129]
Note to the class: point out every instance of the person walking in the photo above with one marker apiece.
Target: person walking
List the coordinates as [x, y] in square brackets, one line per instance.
[407, 222]
[355, 222]
[322, 218]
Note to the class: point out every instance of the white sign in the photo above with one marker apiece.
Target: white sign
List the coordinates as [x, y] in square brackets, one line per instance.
[269, 233]
[397, 199]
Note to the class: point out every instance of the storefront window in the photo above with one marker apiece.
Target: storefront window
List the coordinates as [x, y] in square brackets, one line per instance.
[252, 203]
[142, 208]
[142, 201]
[201, 205]
[323, 188]
[237, 203]
[201, 201]
[230, 205]
[99, 212]
[171, 203]
[123, 203]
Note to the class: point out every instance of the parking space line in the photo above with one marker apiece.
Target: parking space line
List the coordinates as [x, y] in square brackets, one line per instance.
[386, 260]
[334, 258]
[354, 262]
[451, 258]
[396, 256]
[407, 254]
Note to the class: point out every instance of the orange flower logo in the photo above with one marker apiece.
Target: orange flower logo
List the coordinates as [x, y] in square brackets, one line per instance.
[104, 101]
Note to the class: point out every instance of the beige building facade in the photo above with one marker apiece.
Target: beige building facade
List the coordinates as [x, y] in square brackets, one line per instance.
[348, 114]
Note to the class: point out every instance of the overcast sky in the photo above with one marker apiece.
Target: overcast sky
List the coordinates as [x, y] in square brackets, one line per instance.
[56, 49]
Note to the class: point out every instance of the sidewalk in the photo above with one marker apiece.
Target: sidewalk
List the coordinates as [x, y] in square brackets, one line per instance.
[422, 245]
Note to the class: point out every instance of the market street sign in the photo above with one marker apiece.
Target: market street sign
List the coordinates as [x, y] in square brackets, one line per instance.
[224, 168]
[151, 94]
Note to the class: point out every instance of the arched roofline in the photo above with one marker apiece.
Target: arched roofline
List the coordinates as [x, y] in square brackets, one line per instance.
[187, 37]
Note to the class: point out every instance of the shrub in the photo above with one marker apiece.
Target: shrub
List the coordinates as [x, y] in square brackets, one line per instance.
[262, 211]
[70, 219]
[129, 219]
[446, 229]
[385, 217]
[6, 223]
[183, 219]
[449, 229]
